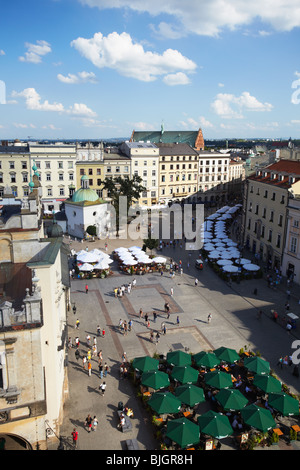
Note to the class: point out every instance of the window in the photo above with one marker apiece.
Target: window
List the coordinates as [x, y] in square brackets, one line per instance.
[153, 183]
[296, 223]
[273, 197]
[11, 165]
[24, 165]
[98, 171]
[60, 165]
[70, 165]
[99, 192]
[98, 182]
[278, 241]
[3, 375]
[47, 165]
[48, 176]
[61, 191]
[25, 177]
[266, 194]
[171, 178]
[144, 172]
[136, 163]
[1, 178]
[272, 216]
[60, 177]
[13, 178]
[256, 209]
[293, 245]
[145, 162]
[90, 171]
[71, 176]
[262, 234]
[38, 165]
[153, 172]
[14, 191]
[280, 220]
[25, 191]
[163, 167]
[282, 200]
[264, 213]
[270, 236]
[90, 182]
[81, 172]
[153, 193]
[153, 162]
[249, 224]
[126, 169]
[117, 169]
[49, 191]
[108, 169]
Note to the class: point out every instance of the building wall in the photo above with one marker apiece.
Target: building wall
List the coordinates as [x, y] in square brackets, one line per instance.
[56, 166]
[291, 256]
[178, 176]
[96, 173]
[15, 170]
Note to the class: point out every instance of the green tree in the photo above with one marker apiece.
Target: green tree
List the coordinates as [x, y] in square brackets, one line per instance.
[150, 243]
[123, 186]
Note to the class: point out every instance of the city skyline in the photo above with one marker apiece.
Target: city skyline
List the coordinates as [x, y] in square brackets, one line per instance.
[79, 69]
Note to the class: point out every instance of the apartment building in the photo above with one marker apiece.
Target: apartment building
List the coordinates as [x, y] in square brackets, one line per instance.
[15, 168]
[291, 253]
[144, 158]
[178, 171]
[267, 195]
[55, 164]
[213, 176]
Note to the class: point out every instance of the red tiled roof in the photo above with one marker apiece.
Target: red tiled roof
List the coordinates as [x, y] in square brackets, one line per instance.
[283, 167]
[289, 166]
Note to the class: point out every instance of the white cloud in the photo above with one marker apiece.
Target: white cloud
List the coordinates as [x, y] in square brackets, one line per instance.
[196, 123]
[211, 18]
[143, 126]
[118, 52]
[230, 106]
[35, 52]
[221, 85]
[81, 77]
[165, 30]
[33, 102]
[2, 52]
[178, 78]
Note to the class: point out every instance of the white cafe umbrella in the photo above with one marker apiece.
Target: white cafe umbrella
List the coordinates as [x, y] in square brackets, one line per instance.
[230, 268]
[101, 265]
[88, 257]
[214, 255]
[130, 262]
[224, 262]
[243, 261]
[121, 249]
[251, 267]
[159, 259]
[135, 248]
[86, 267]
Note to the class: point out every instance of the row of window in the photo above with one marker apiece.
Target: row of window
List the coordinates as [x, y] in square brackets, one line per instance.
[266, 194]
[13, 177]
[25, 191]
[178, 190]
[264, 214]
[190, 158]
[177, 177]
[177, 167]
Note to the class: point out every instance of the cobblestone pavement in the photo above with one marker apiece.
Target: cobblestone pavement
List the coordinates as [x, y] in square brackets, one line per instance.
[234, 324]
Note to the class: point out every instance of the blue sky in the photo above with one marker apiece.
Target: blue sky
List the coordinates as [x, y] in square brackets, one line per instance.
[101, 68]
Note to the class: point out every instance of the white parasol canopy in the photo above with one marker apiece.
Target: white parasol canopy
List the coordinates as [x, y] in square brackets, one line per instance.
[101, 265]
[251, 267]
[224, 262]
[230, 268]
[88, 257]
[159, 259]
[86, 267]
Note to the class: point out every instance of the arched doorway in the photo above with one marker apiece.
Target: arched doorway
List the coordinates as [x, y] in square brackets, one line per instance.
[13, 442]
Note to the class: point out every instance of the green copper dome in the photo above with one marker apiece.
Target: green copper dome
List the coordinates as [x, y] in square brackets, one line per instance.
[82, 195]
[85, 193]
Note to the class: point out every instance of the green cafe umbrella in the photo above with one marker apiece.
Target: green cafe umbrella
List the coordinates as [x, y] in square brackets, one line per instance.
[183, 431]
[190, 394]
[267, 383]
[155, 379]
[257, 364]
[231, 399]
[215, 425]
[185, 374]
[145, 363]
[227, 354]
[179, 358]
[164, 402]
[285, 404]
[206, 359]
[218, 379]
[258, 417]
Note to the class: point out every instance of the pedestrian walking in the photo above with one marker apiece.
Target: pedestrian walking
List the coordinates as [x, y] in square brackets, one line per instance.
[94, 424]
[98, 330]
[89, 368]
[148, 324]
[164, 329]
[151, 336]
[124, 357]
[84, 361]
[196, 282]
[106, 369]
[89, 355]
[86, 289]
[77, 354]
[209, 318]
[77, 324]
[100, 357]
[88, 422]
[177, 320]
[280, 362]
[103, 333]
[74, 309]
[103, 388]
[141, 313]
[75, 437]
[129, 325]
[70, 343]
[146, 317]
[77, 342]
[88, 340]
[154, 316]
[157, 337]
[100, 367]
[172, 291]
